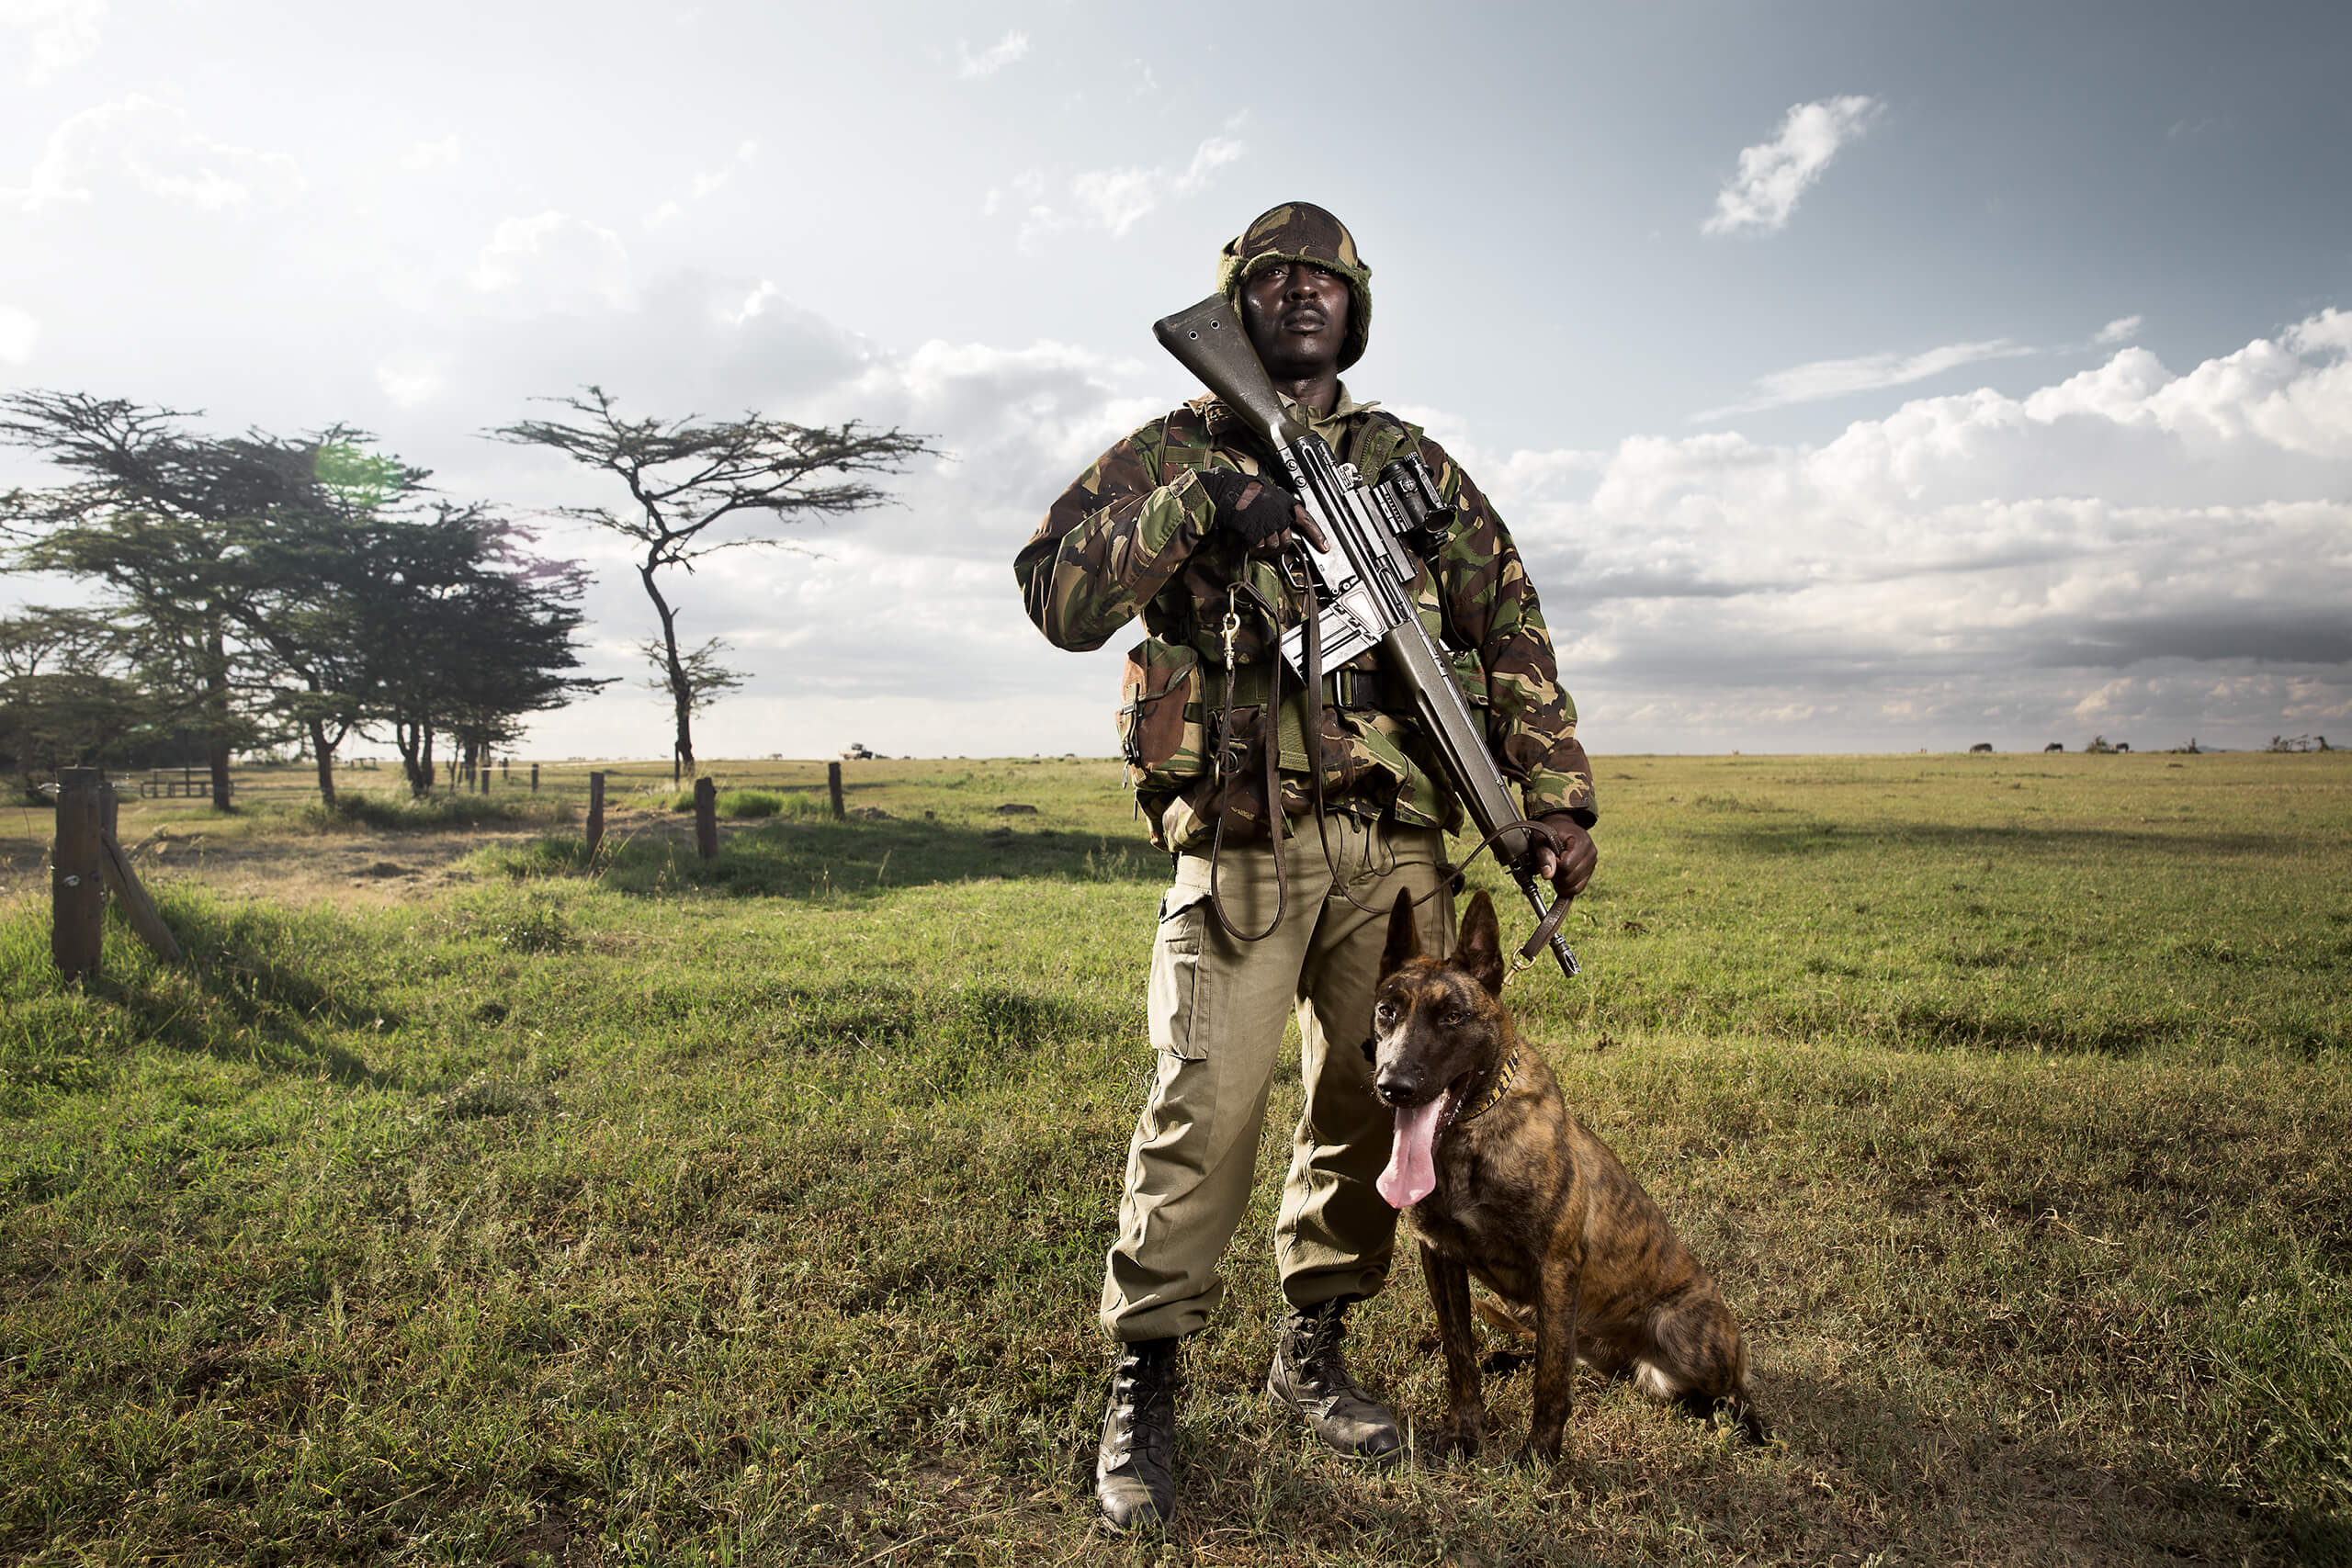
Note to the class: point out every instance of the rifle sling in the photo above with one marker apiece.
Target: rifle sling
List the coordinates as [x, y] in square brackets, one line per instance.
[1270, 745]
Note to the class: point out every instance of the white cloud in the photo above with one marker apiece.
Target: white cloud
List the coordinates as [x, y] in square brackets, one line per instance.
[2124, 328]
[57, 34]
[139, 142]
[19, 333]
[989, 61]
[1210, 156]
[704, 184]
[754, 303]
[442, 153]
[1773, 175]
[412, 379]
[558, 261]
[1117, 199]
[2172, 550]
[1820, 378]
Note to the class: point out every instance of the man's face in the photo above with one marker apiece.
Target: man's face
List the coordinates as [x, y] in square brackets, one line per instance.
[1298, 318]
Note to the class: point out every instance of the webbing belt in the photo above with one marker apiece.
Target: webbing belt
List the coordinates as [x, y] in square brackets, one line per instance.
[1359, 690]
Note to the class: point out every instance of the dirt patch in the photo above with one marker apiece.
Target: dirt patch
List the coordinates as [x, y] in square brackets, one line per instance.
[366, 868]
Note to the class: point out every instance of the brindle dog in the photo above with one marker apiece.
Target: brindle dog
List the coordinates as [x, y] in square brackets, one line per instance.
[1502, 1183]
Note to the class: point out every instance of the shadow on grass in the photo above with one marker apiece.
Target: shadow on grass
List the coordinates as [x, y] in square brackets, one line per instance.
[263, 987]
[1832, 1442]
[1815, 836]
[830, 861]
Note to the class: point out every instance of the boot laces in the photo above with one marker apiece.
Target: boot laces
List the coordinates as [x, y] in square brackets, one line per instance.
[1321, 1359]
[1143, 1387]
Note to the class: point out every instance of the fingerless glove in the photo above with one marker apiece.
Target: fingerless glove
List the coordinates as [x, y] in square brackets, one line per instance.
[1268, 514]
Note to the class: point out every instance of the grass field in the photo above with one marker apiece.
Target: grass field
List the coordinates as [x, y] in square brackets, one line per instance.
[514, 1209]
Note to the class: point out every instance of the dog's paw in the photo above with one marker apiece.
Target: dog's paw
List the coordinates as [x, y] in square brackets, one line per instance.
[1461, 1437]
[1538, 1453]
[1504, 1363]
[1454, 1449]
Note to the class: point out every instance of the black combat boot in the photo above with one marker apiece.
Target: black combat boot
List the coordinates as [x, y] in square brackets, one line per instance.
[1310, 1376]
[1131, 1475]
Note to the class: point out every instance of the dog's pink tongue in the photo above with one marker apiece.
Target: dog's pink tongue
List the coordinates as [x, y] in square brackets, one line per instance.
[1411, 1174]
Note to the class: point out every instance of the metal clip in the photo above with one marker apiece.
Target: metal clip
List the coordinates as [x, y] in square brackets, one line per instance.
[1232, 630]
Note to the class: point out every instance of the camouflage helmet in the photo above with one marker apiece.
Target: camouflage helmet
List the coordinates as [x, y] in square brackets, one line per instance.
[1302, 232]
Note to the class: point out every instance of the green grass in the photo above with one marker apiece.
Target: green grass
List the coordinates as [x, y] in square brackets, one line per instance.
[651, 1210]
[399, 810]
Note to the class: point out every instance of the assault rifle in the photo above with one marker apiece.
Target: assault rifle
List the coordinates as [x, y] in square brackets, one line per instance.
[1364, 589]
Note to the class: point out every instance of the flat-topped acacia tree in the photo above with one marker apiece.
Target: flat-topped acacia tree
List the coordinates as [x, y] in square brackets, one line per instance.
[697, 488]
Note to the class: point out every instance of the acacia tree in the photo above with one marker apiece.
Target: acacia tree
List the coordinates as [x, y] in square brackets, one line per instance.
[67, 697]
[697, 489]
[257, 587]
[478, 634]
[162, 522]
[319, 578]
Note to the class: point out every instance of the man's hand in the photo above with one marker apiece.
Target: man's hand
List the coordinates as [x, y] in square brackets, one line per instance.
[1572, 867]
[1258, 510]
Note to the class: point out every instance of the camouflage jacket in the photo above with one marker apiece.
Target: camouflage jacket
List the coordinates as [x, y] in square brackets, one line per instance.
[1136, 534]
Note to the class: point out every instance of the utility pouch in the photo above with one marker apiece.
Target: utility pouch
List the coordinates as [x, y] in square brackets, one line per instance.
[1160, 709]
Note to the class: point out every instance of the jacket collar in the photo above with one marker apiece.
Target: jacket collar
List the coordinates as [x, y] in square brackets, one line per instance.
[1222, 421]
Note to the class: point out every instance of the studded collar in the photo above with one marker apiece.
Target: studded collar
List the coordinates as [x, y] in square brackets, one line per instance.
[1495, 1090]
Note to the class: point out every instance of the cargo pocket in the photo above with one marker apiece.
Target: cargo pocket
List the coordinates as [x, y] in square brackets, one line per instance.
[1161, 730]
[1175, 997]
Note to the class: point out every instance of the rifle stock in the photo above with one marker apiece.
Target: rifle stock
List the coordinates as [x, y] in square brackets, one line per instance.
[1208, 340]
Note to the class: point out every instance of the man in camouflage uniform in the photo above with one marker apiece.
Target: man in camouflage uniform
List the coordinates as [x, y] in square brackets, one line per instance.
[1182, 523]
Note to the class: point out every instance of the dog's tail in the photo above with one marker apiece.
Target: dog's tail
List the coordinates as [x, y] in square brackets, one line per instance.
[1509, 1316]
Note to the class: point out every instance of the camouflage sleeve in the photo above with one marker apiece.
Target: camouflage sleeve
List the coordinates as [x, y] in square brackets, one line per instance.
[1491, 605]
[1110, 543]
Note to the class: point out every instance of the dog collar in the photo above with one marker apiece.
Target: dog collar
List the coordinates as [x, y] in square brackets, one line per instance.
[1496, 1090]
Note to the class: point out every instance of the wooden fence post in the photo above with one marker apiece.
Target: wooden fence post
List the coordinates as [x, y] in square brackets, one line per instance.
[833, 788]
[129, 896]
[535, 778]
[596, 814]
[706, 818]
[77, 929]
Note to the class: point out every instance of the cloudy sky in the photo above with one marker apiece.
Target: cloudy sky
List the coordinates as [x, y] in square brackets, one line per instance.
[1854, 376]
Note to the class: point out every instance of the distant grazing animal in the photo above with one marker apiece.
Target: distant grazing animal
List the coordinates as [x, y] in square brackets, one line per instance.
[1980, 746]
[1501, 1182]
[2055, 746]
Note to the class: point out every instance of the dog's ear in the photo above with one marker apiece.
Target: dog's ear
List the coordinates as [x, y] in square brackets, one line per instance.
[1404, 940]
[1479, 949]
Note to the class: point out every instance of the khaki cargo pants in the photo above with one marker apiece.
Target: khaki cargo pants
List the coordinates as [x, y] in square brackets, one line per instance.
[1218, 1006]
